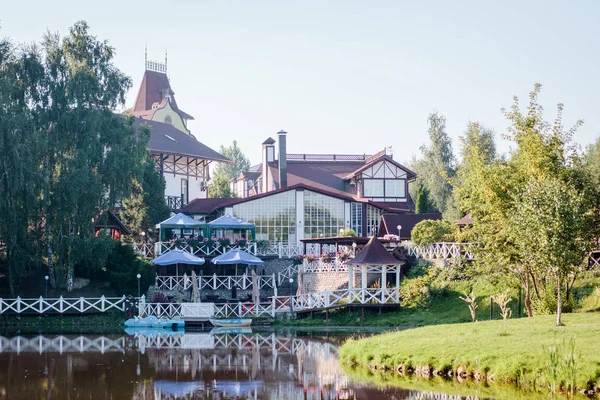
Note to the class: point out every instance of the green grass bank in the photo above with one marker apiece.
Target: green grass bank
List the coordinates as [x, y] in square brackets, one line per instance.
[482, 351]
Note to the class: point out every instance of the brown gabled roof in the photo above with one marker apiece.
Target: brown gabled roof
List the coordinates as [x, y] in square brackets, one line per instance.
[167, 139]
[151, 91]
[410, 174]
[109, 219]
[466, 220]
[389, 223]
[330, 174]
[202, 206]
[374, 254]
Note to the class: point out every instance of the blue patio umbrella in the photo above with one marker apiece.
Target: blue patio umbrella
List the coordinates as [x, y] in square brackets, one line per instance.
[237, 256]
[179, 389]
[177, 256]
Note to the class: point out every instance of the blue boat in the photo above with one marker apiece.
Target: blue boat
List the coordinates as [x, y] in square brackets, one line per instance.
[231, 322]
[152, 322]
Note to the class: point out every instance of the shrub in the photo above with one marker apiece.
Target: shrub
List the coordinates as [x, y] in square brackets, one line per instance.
[122, 268]
[348, 232]
[432, 231]
[298, 259]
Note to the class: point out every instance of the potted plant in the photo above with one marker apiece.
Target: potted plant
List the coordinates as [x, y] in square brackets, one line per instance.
[224, 241]
[241, 242]
[343, 257]
[325, 257]
[311, 258]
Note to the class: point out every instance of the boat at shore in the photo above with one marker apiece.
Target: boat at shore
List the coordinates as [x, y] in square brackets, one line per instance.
[231, 322]
[153, 322]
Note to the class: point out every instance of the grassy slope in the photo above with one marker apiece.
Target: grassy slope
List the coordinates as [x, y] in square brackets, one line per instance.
[446, 308]
[522, 353]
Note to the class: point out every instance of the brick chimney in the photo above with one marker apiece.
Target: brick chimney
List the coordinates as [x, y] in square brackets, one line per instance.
[282, 158]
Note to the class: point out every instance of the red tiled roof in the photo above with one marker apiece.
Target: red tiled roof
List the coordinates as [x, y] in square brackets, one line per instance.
[374, 254]
[151, 91]
[389, 223]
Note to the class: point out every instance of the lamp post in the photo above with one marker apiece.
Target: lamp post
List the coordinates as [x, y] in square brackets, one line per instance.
[354, 249]
[143, 236]
[46, 279]
[291, 292]
[399, 229]
[138, 278]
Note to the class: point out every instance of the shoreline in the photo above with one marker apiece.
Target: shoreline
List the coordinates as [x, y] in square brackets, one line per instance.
[484, 354]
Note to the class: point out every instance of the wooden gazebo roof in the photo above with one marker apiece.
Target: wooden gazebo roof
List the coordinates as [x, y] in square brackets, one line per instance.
[375, 254]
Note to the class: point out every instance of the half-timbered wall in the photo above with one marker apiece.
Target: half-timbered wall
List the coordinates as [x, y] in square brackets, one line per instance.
[176, 168]
[384, 181]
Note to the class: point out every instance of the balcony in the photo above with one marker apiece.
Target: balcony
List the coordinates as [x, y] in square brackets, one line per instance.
[174, 202]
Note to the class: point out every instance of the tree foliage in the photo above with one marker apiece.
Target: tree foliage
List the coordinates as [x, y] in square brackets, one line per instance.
[436, 166]
[66, 156]
[431, 231]
[225, 172]
[533, 213]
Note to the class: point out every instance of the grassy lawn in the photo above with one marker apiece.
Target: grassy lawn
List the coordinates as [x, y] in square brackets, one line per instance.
[520, 355]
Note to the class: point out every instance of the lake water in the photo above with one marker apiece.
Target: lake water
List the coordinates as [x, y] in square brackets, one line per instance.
[150, 364]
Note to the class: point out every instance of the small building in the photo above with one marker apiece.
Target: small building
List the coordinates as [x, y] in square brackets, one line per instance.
[406, 222]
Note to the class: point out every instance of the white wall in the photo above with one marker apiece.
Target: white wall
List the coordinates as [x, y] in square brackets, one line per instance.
[173, 187]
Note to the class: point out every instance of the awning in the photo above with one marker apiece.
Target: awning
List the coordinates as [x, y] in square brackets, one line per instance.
[237, 256]
[178, 256]
[230, 222]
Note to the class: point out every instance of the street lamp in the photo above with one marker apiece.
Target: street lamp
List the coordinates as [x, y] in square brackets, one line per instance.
[143, 236]
[354, 249]
[291, 292]
[46, 278]
[399, 229]
[138, 278]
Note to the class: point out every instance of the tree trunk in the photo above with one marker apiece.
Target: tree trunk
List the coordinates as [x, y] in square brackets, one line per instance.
[558, 302]
[528, 297]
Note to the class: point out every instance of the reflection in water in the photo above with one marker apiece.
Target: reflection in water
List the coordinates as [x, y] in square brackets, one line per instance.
[154, 364]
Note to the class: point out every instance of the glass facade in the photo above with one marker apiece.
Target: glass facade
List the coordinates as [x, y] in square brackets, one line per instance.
[274, 217]
[357, 218]
[323, 215]
[373, 218]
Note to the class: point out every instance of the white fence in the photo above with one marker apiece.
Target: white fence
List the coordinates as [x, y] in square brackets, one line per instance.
[215, 282]
[280, 250]
[155, 249]
[442, 251]
[61, 305]
[326, 299]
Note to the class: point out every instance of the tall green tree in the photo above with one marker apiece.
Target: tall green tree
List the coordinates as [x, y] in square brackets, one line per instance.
[511, 202]
[422, 203]
[435, 168]
[67, 156]
[225, 172]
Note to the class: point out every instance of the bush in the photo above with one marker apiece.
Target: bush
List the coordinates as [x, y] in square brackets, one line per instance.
[348, 232]
[122, 268]
[431, 231]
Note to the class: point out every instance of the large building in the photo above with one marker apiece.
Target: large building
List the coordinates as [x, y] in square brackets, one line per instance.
[289, 196]
[180, 158]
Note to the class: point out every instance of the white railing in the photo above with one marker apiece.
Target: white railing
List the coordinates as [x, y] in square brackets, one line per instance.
[331, 265]
[336, 298]
[62, 344]
[61, 305]
[287, 273]
[442, 251]
[215, 282]
[158, 248]
[280, 250]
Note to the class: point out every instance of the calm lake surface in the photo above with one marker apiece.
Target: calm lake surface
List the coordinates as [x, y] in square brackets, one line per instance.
[221, 364]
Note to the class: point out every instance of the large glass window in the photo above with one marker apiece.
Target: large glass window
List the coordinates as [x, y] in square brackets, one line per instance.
[274, 217]
[394, 188]
[373, 187]
[373, 218]
[357, 218]
[323, 215]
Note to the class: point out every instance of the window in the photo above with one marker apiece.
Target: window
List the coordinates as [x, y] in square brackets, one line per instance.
[357, 218]
[373, 218]
[373, 187]
[274, 217]
[394, 188]
[270, 154]
[323, 215]
[184, 191]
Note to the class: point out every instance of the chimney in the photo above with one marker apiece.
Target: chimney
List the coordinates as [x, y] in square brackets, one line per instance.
[268, 156]
[282, 159]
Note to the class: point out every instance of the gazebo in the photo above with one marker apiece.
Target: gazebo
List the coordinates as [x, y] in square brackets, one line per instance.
[180, 221]
[230, 223]
[374, 259]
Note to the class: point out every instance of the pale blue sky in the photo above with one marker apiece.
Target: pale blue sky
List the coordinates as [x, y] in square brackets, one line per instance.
[345, 76]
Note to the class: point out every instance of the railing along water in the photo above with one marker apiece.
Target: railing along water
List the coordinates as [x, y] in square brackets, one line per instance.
[61, 305]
